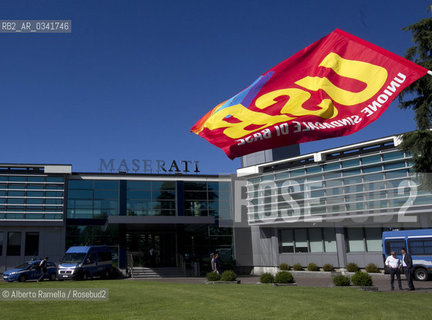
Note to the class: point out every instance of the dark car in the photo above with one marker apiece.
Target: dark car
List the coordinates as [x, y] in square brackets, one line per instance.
[30, 271]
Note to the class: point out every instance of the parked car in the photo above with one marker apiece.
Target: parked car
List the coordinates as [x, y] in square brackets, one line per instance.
[30, 271]
[82, 263]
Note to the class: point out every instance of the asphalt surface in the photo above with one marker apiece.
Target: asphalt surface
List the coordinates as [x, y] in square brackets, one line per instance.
[313, 279]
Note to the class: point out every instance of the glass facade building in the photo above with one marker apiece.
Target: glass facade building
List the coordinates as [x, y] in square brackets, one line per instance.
[45, 209]
[326, 207]
[332, 206]
[175, 217]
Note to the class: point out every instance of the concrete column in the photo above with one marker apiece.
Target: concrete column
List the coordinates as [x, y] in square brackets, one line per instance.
[341, 247]
[275, 247]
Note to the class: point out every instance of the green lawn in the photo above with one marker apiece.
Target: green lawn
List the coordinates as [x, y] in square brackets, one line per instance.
[156, 300]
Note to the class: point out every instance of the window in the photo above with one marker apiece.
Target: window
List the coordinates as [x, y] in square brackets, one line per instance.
[371, 159]
[32, 244]
[393, 155]
[396, 174]
[373, 239]
[331, 166]
[296, 173]
[301, 244]
[351, 163]
[91, 199]
[151, 198]
[420, 246]
[329, 240]
[54, 179]
[313, 170]
[286, 242]
[104, 256]
[35, 179]
[355, 240]
[395, 165]
[14, 244]
[16, 178]
[394, 245]
[315, 240]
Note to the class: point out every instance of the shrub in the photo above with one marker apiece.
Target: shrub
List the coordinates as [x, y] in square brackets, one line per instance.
[328, 267]
[213, 276]
[362, 279]
[266, 278]
[228, 275]
[372, 268]
[352, 267]
[341, 281]
[297, 267]
[312, 267]
[284, 266]
[284, 277]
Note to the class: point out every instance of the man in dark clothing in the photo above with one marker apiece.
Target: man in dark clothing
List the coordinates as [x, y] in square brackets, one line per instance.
[408, 268]
[43, 268]
[216, 264]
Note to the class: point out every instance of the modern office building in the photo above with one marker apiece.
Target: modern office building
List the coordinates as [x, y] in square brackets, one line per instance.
[325, 207]
[46, 209]
[332, 206]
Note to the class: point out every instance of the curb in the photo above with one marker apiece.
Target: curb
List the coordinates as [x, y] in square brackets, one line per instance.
[223, 282]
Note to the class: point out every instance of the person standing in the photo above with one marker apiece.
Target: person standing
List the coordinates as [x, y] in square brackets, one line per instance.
[216, 263]
[408, 268]
[394, 264]
[212, 262]
[152, 255]
[43, 268]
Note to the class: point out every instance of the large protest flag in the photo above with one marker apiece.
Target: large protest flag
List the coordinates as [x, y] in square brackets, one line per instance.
[334, 87]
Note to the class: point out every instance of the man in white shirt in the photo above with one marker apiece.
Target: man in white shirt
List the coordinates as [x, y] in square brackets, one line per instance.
[394, 265]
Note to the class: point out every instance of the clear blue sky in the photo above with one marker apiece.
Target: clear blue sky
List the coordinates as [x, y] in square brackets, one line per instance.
[134, 76]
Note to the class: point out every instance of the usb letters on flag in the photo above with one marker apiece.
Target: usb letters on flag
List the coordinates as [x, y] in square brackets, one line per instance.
[334, 87]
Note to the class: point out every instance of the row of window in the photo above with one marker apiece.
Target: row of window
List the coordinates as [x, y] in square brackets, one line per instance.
[365, 163]
[334, 186]
[31, 208]
[98, 199]
[313, 240]
[295, 196]
[319, 240]
[25, 187]
[23, 178]
[32, 215]
[13, 243]
[31, 194]
[416, 246]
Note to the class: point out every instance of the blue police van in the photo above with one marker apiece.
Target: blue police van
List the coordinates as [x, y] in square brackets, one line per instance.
[418, 243]
[85, 262]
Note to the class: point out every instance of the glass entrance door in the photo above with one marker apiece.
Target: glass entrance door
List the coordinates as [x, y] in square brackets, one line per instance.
[152, 249]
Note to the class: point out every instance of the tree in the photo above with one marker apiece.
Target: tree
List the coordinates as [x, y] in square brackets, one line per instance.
[418, 96]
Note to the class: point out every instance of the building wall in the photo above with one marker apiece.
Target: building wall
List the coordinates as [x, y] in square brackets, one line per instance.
[32, 210]
[51, 244]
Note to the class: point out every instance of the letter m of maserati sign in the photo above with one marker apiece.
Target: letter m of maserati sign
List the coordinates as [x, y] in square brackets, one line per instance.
[334, 87]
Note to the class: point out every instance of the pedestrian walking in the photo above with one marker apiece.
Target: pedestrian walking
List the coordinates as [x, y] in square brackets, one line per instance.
[43, 268]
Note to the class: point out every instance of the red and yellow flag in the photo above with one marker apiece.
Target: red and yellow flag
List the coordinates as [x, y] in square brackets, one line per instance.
[334, 87]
